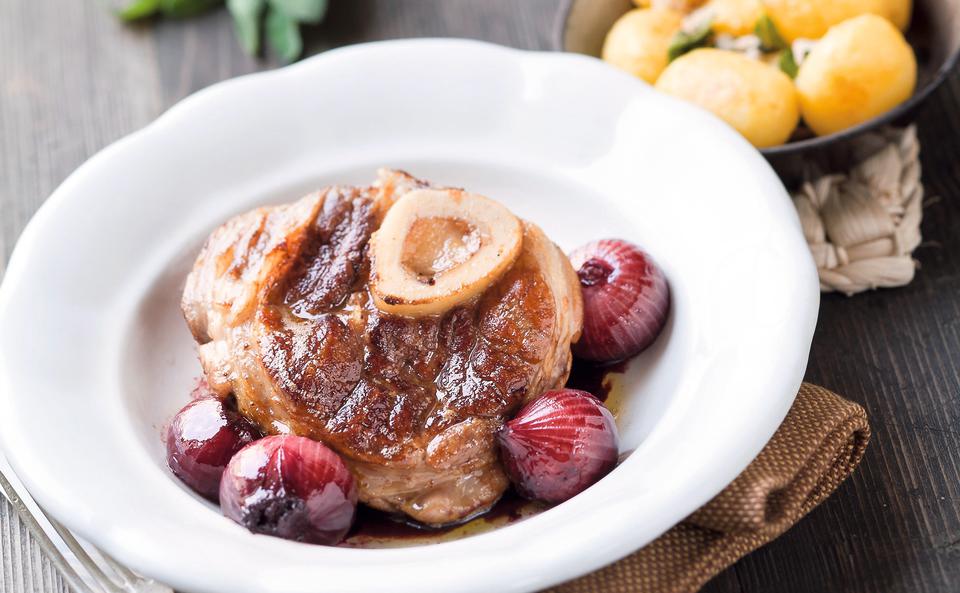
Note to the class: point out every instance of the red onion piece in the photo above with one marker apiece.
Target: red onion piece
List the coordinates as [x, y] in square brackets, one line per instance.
[290, 487]
[625, 300]
[201, 439]
[558, 445]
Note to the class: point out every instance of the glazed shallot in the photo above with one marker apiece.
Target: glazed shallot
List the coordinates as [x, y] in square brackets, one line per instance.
[559, 444]
[625, 300]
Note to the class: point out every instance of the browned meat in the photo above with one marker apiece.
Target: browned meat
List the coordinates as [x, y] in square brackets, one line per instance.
[279, 303]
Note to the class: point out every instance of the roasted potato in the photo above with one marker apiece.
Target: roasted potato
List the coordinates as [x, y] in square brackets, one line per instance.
[898, 11]
[758, 100]
[734, 17]
[811, 19]
[678, 5]
[862, 68]
[638, 41]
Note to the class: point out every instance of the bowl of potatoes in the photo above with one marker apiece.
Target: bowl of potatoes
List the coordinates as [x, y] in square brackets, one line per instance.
[799, 79]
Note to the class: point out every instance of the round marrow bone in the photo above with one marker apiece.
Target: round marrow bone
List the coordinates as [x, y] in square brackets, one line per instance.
[437, 249]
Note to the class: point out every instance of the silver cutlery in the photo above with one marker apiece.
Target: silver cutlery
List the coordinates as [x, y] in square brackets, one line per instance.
[85, 568]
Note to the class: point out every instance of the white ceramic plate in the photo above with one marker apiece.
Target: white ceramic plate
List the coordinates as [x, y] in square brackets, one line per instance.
[94, 355]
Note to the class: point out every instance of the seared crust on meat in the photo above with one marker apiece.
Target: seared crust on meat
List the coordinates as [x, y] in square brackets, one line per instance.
[279, 303]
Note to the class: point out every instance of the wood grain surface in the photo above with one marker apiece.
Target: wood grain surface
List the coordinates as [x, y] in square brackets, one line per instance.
[72, 79]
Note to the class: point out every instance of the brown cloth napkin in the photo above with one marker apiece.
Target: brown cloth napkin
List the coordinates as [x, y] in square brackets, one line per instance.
[818, 445]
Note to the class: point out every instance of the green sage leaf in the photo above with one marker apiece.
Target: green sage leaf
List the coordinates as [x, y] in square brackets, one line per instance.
[770, 38]
[182, 9]
[139, 9]
[283, 33]
[246, 20]
[787, 64]
[305, 11]
[685, 41]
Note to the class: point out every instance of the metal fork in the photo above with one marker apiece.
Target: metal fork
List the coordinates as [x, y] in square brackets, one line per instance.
[85, 568]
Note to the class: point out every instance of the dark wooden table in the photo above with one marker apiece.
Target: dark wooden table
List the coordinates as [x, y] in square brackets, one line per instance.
[72, 80]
